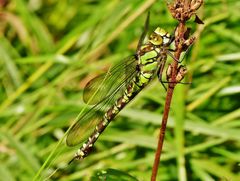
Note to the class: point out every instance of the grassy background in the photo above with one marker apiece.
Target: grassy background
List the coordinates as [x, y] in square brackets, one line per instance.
[50, 49]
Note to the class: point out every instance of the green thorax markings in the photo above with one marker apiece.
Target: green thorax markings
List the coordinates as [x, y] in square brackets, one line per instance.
[151, 54]
[148, 59]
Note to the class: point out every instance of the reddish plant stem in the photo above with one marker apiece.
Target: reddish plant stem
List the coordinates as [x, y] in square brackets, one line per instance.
[162, 133]
[181, 10]
[170, 90]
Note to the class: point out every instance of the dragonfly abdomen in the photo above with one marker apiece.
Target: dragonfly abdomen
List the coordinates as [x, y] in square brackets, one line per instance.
[133, 88]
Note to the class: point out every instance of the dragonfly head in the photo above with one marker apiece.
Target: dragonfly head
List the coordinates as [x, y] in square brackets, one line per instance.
[160, 37]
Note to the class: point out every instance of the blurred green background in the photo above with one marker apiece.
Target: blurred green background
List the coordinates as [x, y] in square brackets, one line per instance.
[50, 49]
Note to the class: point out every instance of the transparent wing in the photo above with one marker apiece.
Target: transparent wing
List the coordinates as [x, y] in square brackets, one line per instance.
[111, 87]
[105, 84]
[144, 33]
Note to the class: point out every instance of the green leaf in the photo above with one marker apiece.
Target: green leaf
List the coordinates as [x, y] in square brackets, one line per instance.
[112, 175]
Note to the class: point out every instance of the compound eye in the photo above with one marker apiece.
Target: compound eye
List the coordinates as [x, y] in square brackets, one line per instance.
[155, 39]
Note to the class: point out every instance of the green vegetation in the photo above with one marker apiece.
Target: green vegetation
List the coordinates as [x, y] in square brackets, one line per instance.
[50, 49]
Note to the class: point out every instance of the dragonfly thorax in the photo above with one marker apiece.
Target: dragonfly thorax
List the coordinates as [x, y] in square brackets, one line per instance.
[160, 37]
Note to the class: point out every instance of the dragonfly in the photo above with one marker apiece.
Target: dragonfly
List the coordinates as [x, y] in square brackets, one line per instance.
[112, 91]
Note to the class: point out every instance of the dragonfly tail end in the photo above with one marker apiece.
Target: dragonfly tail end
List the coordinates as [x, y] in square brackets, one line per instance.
[73, 159]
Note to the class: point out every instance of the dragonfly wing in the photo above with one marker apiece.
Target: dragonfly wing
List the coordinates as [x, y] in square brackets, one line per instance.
[112, 87]
[144, 33]
[105, 84]
[84, 126]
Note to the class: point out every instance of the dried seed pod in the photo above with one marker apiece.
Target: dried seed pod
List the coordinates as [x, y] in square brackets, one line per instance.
[181, 72]
[195, 4]
[169, 72]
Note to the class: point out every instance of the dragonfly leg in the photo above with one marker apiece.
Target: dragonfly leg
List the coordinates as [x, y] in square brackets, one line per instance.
[173, 57]
[186, 51]
[187, 48]
[181, 71]
[159, 73]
